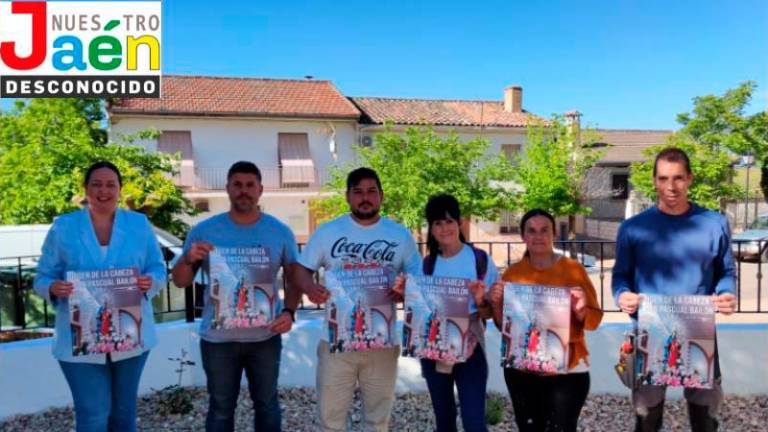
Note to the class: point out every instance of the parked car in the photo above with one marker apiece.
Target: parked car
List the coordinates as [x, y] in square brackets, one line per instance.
[25, 242]
[589, 262]
[171, 246]
[17, 273]
[752, 244]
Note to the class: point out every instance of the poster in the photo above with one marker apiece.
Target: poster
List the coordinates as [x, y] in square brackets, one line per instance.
[436, 320]
[105, 311]
[359, 313]
[536, 328]
[676, 341]
[241, 288]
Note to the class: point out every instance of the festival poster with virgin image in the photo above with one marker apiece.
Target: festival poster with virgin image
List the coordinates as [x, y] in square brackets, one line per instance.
[105, 311]
[536, 328]
[359, 313]
[676, 341]
[436, 322]
[241, 288]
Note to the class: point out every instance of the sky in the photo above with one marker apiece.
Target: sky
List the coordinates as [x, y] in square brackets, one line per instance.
[622, 63]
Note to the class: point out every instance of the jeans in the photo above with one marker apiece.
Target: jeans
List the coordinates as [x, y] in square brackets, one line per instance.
[471, 379]
[105, 394]
[547, 403]
[224, 364]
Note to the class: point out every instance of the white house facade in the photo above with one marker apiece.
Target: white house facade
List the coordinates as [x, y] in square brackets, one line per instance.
[294, 130]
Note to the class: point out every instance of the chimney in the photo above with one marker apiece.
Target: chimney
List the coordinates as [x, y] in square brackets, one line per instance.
[513, 99]
[573, 120]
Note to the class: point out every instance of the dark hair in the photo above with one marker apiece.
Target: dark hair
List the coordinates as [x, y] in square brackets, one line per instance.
[99, 165]
[357, 175]
[672, 154]
[440, 207]
[533, 213]
[244, 167]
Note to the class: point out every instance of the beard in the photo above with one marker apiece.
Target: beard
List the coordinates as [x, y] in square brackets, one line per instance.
[365, 215]
[241, 205]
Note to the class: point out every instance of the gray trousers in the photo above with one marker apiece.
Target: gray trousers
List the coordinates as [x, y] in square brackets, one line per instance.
[703, 405]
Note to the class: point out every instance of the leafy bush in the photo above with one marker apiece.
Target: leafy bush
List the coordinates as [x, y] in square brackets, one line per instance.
[495, 405]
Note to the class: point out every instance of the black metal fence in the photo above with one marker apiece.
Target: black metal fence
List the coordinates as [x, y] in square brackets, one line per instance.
[22, 308]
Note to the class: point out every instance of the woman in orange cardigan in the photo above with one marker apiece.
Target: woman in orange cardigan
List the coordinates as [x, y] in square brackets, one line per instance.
[550, 402]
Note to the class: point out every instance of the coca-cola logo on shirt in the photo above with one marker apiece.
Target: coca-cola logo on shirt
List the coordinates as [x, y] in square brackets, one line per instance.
[378, 250]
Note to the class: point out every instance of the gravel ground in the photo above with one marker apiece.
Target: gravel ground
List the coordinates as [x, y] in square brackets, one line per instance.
[412, 412]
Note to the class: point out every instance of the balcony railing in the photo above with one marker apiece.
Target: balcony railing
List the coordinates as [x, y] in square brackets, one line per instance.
[273, 179]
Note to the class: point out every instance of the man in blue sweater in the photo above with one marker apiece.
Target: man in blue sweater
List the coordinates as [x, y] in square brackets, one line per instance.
[675, 248]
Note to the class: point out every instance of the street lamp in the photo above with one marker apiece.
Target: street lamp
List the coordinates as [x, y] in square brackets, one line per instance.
[747, 160]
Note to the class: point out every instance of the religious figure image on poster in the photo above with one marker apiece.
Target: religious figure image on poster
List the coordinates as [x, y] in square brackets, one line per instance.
[359, 313]
[436, 321]
[676, 341]
[105, 311]
[241, 288]
[536, 328]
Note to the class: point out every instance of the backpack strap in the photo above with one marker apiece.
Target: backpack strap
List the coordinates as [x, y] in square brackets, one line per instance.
[428, 264]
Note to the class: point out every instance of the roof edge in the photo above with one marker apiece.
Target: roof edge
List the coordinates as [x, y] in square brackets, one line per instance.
[238, 114]
[222, 77]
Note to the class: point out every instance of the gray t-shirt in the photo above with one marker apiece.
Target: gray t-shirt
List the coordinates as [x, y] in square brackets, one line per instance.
[267, 234]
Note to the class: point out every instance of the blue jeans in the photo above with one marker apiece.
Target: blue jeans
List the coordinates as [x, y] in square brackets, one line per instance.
[471, 379]
[224, 364]
[105, 394]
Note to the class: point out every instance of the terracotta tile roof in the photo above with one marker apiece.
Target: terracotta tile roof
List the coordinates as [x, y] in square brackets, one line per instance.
[626, 145]
[220, 96]
[438, 112]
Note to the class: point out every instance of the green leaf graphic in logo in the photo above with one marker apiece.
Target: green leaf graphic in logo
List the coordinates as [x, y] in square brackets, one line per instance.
[112, 24]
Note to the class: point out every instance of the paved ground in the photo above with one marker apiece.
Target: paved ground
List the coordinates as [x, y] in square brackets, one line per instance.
[412, 412]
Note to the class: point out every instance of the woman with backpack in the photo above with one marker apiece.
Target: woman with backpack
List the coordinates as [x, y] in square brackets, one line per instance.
[550, 402]
[449, 255]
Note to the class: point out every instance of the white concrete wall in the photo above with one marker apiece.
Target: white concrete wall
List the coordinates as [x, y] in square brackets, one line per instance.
[217, 203]
[31, 379]
[290, 208]
[217, 142]
[601, 229]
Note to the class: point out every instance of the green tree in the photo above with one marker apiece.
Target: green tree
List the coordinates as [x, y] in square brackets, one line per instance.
[712, 168]
[713, 135]
[47, 144]
[419, 163]
[552, 170]
[722, 122]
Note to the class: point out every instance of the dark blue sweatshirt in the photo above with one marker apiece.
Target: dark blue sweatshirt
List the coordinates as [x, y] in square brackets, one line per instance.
[657, 253]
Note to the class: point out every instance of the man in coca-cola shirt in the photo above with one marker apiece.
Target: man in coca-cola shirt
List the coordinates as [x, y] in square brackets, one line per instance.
[362, 239]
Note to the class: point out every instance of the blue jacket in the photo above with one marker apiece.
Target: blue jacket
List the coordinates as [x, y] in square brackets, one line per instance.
[71, 245]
